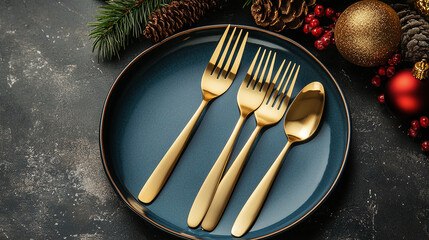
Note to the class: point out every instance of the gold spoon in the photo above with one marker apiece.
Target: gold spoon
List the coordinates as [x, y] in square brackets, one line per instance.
[301, 121]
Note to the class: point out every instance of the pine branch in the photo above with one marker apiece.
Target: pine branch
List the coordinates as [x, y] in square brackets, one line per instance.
[118, 23]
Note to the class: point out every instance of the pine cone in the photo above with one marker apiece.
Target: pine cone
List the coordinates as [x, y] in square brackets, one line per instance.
[264, 12]
[278, 15]
[175, 16]
[415, 34]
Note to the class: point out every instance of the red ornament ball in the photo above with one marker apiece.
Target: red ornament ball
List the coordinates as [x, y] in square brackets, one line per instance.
[407, 96]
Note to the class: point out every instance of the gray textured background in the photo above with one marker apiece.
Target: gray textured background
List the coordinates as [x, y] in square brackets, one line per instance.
[53, 185]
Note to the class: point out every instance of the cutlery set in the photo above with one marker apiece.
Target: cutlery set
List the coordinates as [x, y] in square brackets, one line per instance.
[268, 100]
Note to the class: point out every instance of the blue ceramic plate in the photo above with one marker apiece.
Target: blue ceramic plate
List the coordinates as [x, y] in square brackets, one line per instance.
[155, 96]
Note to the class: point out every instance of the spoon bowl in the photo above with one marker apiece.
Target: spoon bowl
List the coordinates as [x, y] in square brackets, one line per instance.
[304, 115]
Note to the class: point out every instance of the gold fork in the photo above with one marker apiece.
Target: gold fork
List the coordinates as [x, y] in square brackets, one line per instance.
[269, 113]
[217, 78]
[250, 96]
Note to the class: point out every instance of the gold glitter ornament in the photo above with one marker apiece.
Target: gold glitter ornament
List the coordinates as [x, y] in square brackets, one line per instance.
[421, 70]
[367, 33]
[422, 6]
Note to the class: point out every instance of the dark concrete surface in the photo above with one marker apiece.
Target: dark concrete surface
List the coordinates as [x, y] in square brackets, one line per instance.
[52, 181]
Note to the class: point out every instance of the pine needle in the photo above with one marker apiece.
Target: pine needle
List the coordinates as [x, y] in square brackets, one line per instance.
[118, 23]
[248, 2]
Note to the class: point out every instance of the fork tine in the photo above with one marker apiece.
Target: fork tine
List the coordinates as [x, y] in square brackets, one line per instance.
[261, 77]
[216, 52]
[274, 97]
[286, 99]
[279, 71]
[289, 93]
[249, 72]
[284, 75]
[280, 98]
[228, 62]
[237, 61]
[290, 75]
[225, 51]
[270, 73]
[273, 83]
[255, 75]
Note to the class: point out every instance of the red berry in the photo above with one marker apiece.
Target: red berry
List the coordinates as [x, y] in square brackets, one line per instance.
[331, 26]
[306, 29]
[390, 62]
[325, 41]
[338, 14]
[396, 59]
[319, 11]
[376, 81]
[424, 122]
[334, 18]
[381, 71]
[314, 22]
[327, 34]
[390, 71]
[329, 12]
[333, 41]
[415, 125]
[319, 45]
[309, 17]
[381, 98]
[413, 133]
[317, 31]
[425, 146]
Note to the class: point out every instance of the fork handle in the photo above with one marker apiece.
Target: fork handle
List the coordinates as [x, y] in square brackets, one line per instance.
[161, 173]
[253, 205]
[227, 185]
[208, 188]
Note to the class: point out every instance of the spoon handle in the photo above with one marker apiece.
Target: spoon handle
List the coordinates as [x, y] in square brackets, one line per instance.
[227, 185]
[252, 207]
[208, 188]
[161, 173]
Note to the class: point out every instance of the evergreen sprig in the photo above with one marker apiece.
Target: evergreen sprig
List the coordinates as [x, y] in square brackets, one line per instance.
[248, 2]
[119, 22]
